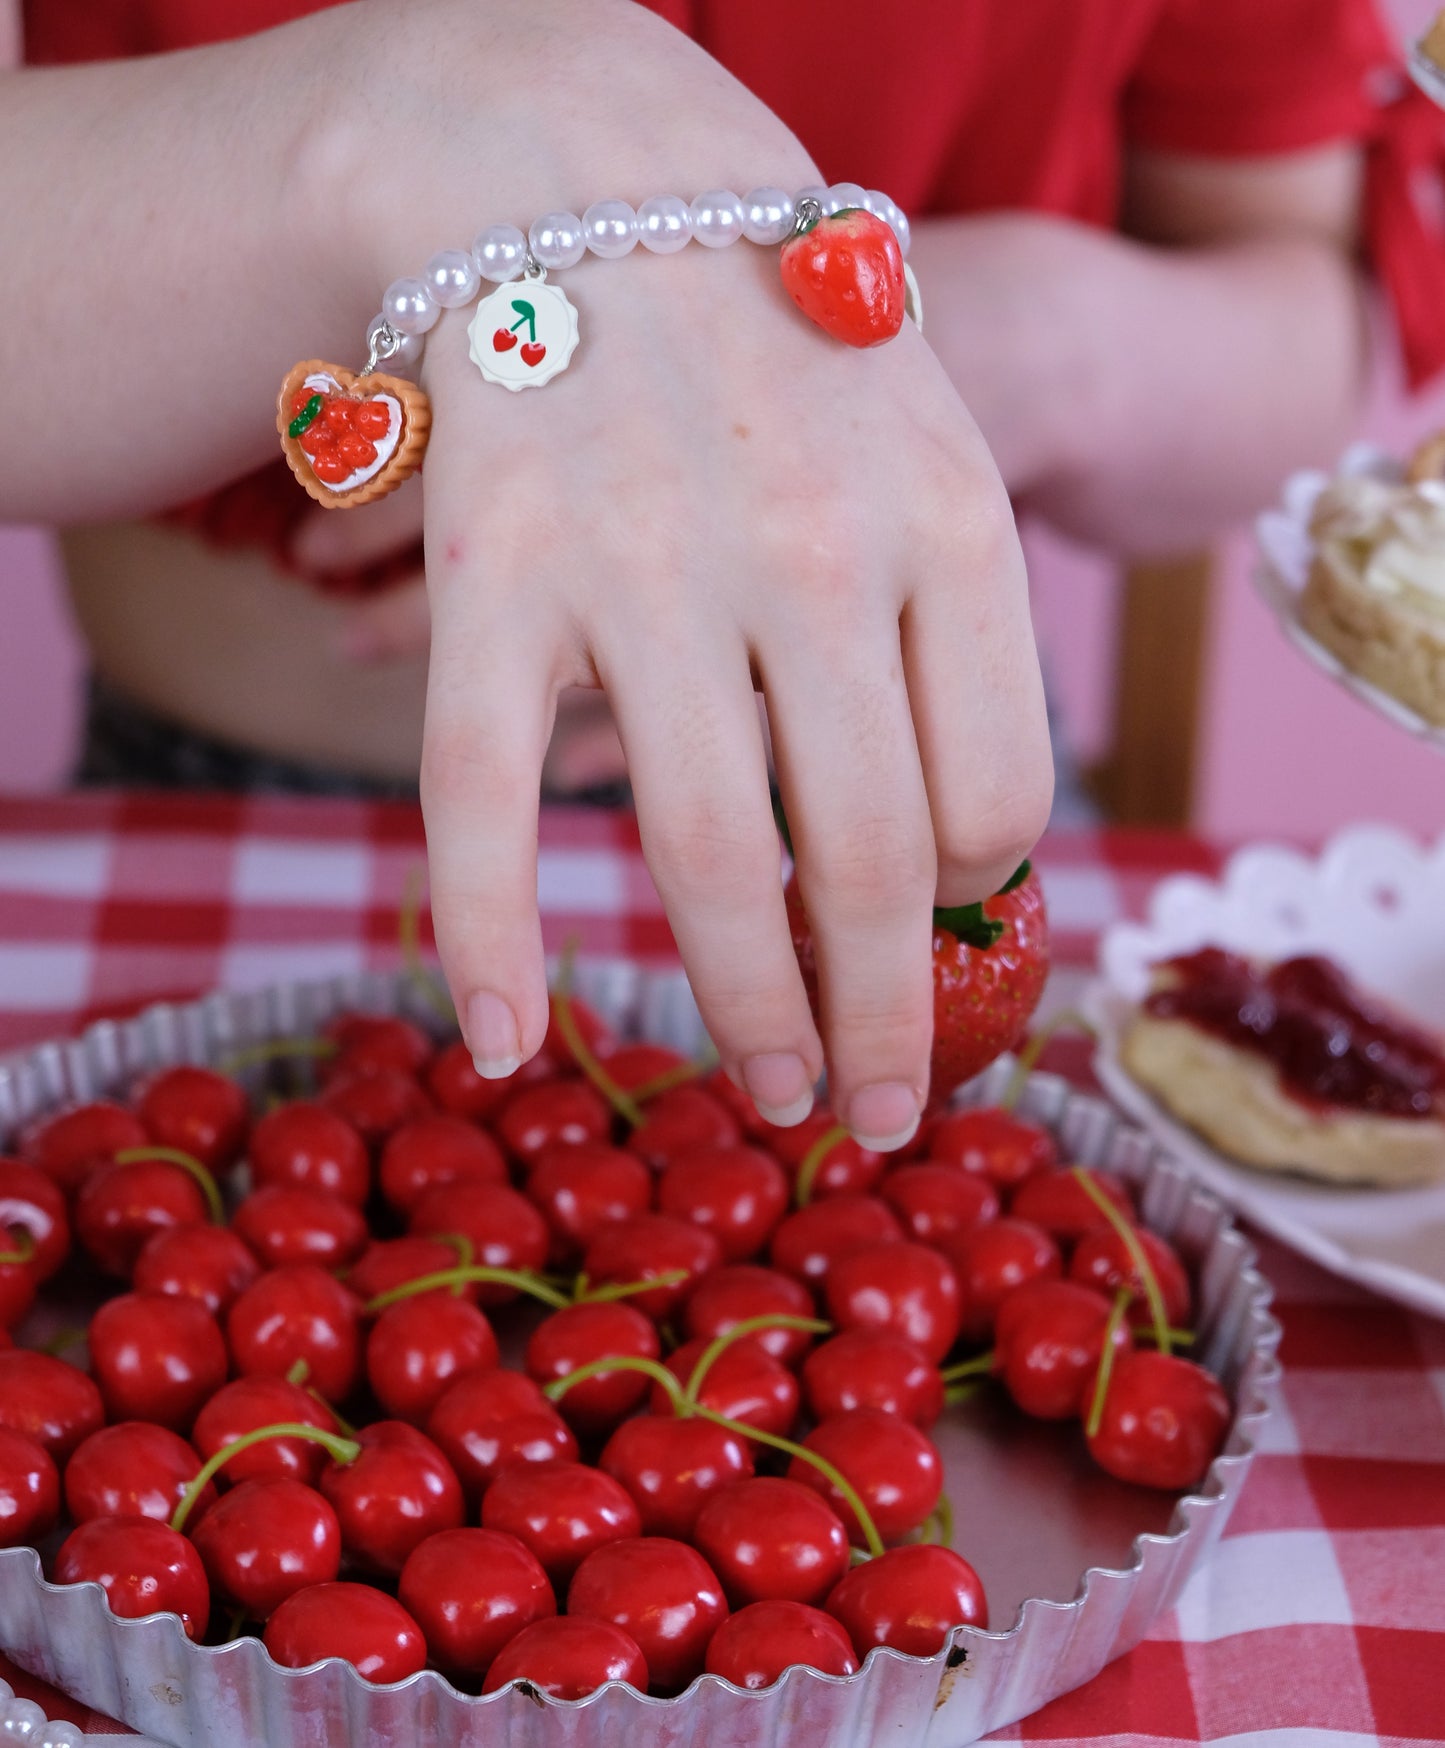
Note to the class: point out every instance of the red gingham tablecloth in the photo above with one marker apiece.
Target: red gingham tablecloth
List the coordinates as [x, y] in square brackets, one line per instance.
[1319, 1621]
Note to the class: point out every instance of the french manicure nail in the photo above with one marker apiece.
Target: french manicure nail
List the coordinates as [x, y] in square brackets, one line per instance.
[492, 1036]
[779, 1086]
[885, 1116]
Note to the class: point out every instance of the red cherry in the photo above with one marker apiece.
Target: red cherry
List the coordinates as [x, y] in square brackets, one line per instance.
[734, 1295]
[595, 1032]
[394, 1262]
[809, 1242]
[143, 1567]
[569, 1658]
[1163, 1424]
[364, 1627]
[356, 450]
[207, 1263]
[662, 1594]
[671, 1466]
[286, 1226]
[337, 414]
[374, 1102]
[1102, 1261]
[895, 1468]
[633, 1066]
[550, 1114]
[1048, 1340]
[1058, 1203]
[18, 1287]
[328, 467]
[436, 1149]
[471, 1591]
[419, 1347]
[301, 400]
[33, 1218]
[772, 1538]
[910, 1598]
[728, 1093]
[872, 1368]
[679, 1120]
[937, 1202]
[453, 1081]
[119, 1207]
[370, 418]
[70, 1146]
[532, 353]
[296, 1314]
[561, 1511]
[262, 1541]
[132, 1469]
[491, 1421]
[48, 1400]
[503, 340]
[579, 1189]
[646, 1246]
[994, 1259]
[399, 1491]
[738, 1194]
[246, 1405]
[373, 1043]
[156, 1358]
[993, 1143]
[505, 1230]
[312, 1148]
[745, 1383]
[29, 1491]
[843, 1169]
[906, 1288]
[599, 1329]
[198, 1111]
[753, 1647]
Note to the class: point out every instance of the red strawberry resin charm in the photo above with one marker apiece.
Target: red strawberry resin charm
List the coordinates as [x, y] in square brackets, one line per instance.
[846, 274]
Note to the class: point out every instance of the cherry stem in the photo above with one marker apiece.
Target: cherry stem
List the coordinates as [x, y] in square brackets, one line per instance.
[654, 1369]
[408, 934]
[813, 1163]
[939, 1527]
[466, 1254]
[1129, 1238]
[977, 1367]
[582, 1052]
[610, 1291]
[956, 1393]
[63, 1340]
[524, 1283]
[832, 1474]
[24, 1241]
[1066, 1020]
[719, 1345]
[341, 1450]
[1180, 1337]
[1122, 1300]
[187, 1162]
[682, 1075]
[278, 1050]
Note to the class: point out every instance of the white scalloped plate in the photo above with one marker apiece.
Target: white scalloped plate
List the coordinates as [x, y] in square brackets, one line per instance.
[1374, 901]
[1284, 551]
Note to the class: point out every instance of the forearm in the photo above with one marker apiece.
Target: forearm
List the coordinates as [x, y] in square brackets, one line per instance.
[1171, 389]
[177, 231]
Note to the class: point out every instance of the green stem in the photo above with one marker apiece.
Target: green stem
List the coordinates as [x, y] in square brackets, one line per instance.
[957, 1393]
[610, 1291]
[1067, 1019]
[582, 1051]
[682, 1075]
[466, 1254]
[813, 1163]
[341, 1450]
[719, 1345]
[1130, 1240]
[1179, 1337]
[979, 1366]
[187, 1162]
[654, 1369]
[1117, 1311]
[278, 1050]
[939, 1527]
[524, 1283]
[24, 1241]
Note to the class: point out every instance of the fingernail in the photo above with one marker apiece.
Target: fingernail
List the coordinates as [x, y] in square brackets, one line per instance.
[885, 1116]
[779, 1086]
[492, 1036]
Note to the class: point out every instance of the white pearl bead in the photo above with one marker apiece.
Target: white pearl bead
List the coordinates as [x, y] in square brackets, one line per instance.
[767, 215]
[609, 228]
[844, 194]
[500, 253]
[880, 205]
[452, 279]
[717, 218]
[61, 1735]
[7, 1693]
[664, 224]
[408, 306]
[406, 357]
[557, 240]
[23, 1719]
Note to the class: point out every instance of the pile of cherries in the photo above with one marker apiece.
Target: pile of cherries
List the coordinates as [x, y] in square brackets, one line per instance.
[732, 1342]
[340, 436]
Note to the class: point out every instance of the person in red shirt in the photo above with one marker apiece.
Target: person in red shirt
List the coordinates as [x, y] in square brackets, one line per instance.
[1137, 225]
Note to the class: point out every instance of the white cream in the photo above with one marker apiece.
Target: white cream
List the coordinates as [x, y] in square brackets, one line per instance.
[1392, 536]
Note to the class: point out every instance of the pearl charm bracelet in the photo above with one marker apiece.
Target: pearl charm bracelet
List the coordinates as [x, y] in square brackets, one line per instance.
[350, 437]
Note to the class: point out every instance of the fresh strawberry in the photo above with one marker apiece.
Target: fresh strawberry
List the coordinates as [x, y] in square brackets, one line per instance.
[846, 274]
[990, 961]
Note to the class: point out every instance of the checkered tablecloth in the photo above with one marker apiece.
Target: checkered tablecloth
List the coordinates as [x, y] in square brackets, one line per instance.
[1319, 1621]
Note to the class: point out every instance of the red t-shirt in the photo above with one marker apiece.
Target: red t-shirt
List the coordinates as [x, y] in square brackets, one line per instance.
[972, 105]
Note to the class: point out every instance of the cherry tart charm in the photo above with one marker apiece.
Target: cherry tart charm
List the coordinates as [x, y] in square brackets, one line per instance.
[350, 437]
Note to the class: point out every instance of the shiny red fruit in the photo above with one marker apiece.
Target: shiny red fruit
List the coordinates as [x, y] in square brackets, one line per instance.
[373, 1043]
[295, 1314]
[936, 1202]
[436, 1149]
[991, 1261]
[845, 1169]
[809, 1242]
[119, 1208]
[29, 1491]
[70, 1146]
[753, 1647]
[552, 1113]
[48, 1400]
[156, 1357]
[991, 1143]
[286, 1226]
[1048, 1341]
[911, 1598]
[561, 1511]
[632, 1066]
[908, 1289]
[207, 1263]
[895, 1469]
[845, 272]
[400, 1490]
[376, 1102]
[491, 1421]
[662, 1594]
[679, 1120]
[364, 1627]
[743, 1291]
[569, 1658]
[505, 1230]
[33, 1221]
[872, 1368]
[453, 1081]
[394, 1262]
[744, 1383]
[419, 1347]
[198, 1111]
[1163, 1424]
[649, 1245]
[312, 1148]
[471, 1591]
[246, 1405]
[772, 1538]
[1058, 1203]
[1102, 1261]
[142, 1566]
[599, 1329]
[578, 1190]
[595, 1032]
[132, 1469]
[671, 1466]
[738, 1194]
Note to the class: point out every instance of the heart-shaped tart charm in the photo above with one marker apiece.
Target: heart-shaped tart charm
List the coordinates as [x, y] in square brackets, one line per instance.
[845, 272]
[349, 438]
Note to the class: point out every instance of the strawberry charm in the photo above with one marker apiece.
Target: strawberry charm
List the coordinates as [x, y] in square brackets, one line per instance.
[350, 438]
[846, 273]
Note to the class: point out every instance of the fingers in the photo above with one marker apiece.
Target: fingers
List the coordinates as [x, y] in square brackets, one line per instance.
[849, 769]
[339, 540]
[391, 627]
[688, 719]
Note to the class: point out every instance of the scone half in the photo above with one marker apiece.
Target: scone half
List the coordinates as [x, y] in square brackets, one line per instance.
[1392, 643]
